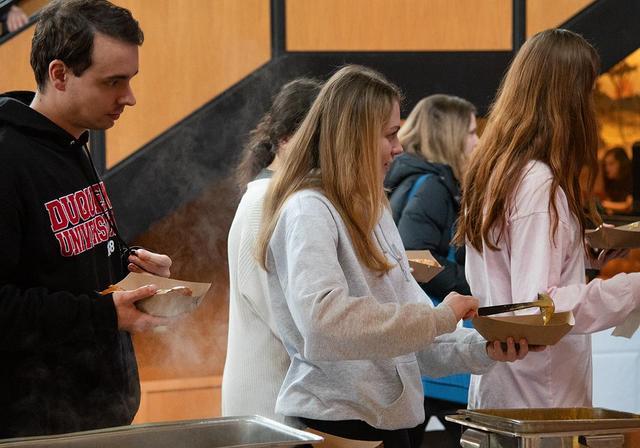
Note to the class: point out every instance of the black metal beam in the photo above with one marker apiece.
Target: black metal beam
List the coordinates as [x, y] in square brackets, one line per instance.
[611, 26]
[97, 145]
[278, 28]
[519, 24]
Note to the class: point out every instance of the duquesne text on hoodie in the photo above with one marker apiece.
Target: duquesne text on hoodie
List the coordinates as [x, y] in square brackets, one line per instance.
[79, 220]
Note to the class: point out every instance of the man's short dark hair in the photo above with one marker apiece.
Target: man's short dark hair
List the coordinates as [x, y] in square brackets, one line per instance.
[65, 31]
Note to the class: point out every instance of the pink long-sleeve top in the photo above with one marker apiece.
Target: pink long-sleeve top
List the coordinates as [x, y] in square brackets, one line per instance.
[527, 263]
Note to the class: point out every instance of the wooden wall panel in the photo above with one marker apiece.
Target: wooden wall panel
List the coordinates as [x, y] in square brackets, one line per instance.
[179, 399]
[32, 6]
[190, 55]
[192, 52]
[15, 70]
[398, 25]
[543, 14]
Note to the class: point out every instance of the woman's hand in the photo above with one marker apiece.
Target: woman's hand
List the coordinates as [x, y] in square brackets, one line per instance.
[464, 307]
[511, 351]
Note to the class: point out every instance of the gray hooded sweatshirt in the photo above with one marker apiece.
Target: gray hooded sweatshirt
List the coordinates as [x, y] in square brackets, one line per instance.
[358, 340]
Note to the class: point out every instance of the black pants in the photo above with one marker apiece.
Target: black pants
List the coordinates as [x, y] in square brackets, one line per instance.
[359, 430]
[450, 437]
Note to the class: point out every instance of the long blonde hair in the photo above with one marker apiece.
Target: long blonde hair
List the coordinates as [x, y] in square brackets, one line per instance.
[336, 151]
[437, 129]
[543, 111]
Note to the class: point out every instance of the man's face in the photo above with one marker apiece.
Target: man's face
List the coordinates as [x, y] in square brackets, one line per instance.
[95, 99]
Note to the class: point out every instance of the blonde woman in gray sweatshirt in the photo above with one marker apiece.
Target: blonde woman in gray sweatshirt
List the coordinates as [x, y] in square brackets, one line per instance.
[357, 327]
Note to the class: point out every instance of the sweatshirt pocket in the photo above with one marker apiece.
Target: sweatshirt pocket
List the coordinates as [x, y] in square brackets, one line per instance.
[407, 410]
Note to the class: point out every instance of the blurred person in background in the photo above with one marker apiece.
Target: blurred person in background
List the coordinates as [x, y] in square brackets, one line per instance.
[438, 137]
[256, 359]
[12, 16]
[618, 182]
[523, 220]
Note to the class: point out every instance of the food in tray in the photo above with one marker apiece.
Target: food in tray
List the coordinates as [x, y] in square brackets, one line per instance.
[422, 264]
[175, 297]
[530, 327]
[544, 302]
[427, 261]
[110, 290]
[179, 290]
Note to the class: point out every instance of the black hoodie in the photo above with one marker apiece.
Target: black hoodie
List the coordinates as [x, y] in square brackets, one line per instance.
[427, 220]
[65, 365]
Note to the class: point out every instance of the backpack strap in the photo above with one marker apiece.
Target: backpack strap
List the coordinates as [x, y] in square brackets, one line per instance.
[416, 185]
[451, 255]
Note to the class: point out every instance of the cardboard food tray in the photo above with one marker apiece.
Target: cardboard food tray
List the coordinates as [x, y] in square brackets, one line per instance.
[423, 266]
[528, 326]
[165, 305]
[622, 237]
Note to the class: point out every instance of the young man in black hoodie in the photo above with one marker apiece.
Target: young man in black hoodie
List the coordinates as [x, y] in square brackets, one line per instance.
[67, 359]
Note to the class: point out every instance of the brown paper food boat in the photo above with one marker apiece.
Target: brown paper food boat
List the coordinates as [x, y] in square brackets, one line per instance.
[622, 237]
[168, 302]
[529, 327]
[424, 267]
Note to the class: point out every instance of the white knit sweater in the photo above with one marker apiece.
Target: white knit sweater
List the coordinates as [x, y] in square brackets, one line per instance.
[256, 359]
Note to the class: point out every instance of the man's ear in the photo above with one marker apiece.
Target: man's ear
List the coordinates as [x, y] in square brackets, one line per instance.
[58, 74]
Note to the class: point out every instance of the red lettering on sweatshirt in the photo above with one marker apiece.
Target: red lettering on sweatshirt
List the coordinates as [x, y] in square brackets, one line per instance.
[79, 220]
[82, 203]
[92, 200]
[101, 227]
[65, 244]
[57, 216]
[71, 209]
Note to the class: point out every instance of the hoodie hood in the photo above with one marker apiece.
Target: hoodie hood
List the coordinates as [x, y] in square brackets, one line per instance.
[15, 112]
[408, 166]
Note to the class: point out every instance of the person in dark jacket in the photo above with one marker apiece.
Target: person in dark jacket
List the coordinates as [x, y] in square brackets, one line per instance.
[438, 135]
[67, 359]
[424, 181]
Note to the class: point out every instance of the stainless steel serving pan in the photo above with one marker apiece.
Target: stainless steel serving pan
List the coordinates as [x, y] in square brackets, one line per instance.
[554, 420]
[236, 432]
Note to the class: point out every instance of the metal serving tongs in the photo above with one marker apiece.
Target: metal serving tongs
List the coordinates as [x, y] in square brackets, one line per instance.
[544, 302]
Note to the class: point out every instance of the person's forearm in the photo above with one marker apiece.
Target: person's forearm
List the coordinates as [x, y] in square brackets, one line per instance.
[621, 206]
[34, 318]
[463, 351]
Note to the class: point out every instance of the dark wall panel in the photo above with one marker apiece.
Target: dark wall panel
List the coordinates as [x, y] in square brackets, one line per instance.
[174, 168]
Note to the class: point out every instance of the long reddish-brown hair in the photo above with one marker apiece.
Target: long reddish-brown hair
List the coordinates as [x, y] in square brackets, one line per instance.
[543, 111]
